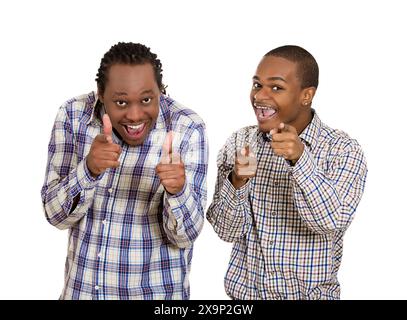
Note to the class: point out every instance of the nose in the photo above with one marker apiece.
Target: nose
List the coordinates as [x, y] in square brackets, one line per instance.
[261, 94]
[134, 113]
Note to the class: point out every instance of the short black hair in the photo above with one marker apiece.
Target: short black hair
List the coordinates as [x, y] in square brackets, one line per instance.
[132, 54]
[307, 66]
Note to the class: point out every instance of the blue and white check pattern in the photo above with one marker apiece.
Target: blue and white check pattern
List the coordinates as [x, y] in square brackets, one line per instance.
[128, 238]
[287, 223]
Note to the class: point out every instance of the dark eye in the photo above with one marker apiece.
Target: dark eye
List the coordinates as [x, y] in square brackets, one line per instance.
[256, 85]
[121, 103]
[276, 88]
[146, 100]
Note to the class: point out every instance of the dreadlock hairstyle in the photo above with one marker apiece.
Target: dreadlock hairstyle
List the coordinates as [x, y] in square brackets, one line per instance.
[131, 54]
[307, 67]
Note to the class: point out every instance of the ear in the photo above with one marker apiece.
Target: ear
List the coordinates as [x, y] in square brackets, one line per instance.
[100, 95]
[307, 96]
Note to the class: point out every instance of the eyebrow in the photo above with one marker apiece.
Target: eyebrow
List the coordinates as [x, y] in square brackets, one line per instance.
[271, 78]
[118, 94]
[147, 91]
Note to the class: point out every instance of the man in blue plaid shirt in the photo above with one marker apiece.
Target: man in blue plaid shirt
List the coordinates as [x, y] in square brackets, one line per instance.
[126, 175]
[287, 189]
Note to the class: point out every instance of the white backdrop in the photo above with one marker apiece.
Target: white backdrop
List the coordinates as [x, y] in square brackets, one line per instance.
[51, 50]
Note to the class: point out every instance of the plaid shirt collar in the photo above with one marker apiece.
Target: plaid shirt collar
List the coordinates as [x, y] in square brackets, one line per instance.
[310, 134]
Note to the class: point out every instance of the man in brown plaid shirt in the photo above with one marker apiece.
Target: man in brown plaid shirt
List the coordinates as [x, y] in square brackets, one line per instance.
[287, 189]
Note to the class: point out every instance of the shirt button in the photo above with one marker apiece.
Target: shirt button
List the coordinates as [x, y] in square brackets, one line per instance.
[110, 190]
[271, 242]
[276, 183]
[104, 222]
[274, 213]
[100, 255]
[97, 287]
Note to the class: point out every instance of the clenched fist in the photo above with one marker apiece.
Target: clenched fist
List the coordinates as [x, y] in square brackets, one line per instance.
[285, 142]
[171, 170]
[103, 152]
[245, 167]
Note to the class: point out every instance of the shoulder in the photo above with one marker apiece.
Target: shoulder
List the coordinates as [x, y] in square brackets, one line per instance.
[243, 135]
[79, 108]
[338, 145]
[181, 115]
[239, 138]
[338, 140]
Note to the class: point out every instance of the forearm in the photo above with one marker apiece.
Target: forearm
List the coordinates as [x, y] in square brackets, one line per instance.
[183, 216]
[326, 201]
[67, 200]
[229, 213]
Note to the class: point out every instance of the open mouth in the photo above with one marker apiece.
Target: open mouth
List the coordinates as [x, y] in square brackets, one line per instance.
[264, 112]
[135, 131]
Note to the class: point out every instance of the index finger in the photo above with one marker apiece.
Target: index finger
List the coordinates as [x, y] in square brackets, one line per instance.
[101, 138]
[241, 155]
[107, 127]
[287, 128]
[167, 148]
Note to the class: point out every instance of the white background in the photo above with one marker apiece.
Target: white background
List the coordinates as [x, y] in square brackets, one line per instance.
[50, 51]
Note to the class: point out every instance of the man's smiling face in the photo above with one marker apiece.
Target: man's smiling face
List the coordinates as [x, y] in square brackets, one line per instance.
[277, 96]
[131, 100]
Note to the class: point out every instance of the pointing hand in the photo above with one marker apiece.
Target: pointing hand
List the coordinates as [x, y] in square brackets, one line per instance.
[104, 153]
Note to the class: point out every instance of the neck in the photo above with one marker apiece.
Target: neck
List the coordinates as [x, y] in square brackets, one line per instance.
[304, 121]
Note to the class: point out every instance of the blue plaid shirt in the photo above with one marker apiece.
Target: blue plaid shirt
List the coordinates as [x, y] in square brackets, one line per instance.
[128, 238]
[287, 223]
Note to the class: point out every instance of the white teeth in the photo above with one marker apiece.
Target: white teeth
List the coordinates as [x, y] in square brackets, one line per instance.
[263, 107]
[136, 127]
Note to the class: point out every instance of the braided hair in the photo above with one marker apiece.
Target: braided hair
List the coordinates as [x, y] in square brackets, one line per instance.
[131, 54]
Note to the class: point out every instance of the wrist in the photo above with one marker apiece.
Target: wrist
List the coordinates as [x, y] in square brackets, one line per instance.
[90, 169]
[294, 161]
[236, 181]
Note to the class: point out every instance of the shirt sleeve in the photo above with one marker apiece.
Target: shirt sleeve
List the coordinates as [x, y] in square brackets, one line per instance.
[183, 214]
[65, 178]
[327, 199]
[229, 212]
